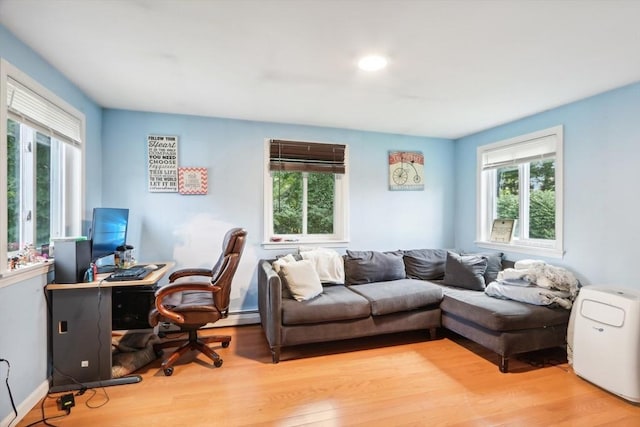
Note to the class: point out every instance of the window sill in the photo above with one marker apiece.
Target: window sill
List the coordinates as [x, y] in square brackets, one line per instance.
[304, 243]
[523, 249]
[12, 277]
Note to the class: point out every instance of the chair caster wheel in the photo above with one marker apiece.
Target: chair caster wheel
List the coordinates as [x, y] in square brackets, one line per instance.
[159, 353]
[217, 363]
[168, 372]
[225, 344]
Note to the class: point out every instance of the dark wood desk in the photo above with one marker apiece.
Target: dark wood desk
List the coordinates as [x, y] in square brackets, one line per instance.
[81, 327]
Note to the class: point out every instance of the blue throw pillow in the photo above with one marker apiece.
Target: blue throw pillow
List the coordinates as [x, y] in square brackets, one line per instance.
[494, 264]
[425, 264]
[371, 266]
[465, 271]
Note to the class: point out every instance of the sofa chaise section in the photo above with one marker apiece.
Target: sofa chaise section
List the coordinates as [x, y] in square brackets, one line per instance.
[504, 326]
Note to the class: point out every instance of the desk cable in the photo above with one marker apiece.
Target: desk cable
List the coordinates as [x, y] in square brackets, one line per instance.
[104, 390]
[13, 404]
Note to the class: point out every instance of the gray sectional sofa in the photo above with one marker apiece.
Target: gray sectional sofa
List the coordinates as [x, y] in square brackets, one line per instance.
[425, 289]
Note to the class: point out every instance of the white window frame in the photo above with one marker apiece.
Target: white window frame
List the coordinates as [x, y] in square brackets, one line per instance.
[340, 236]
[72, 214]
[486, 199]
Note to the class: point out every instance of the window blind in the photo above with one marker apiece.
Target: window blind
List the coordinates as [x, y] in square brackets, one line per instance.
[31, 107]
[521, 152]
[306, 156]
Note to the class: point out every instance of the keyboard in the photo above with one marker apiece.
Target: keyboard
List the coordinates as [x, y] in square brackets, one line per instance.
[134, 273]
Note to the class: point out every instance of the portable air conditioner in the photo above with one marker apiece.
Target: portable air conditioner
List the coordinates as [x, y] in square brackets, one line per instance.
[606, 343]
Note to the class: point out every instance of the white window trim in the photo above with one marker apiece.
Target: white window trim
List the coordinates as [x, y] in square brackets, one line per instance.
[8, 70]
[340, 237]
[484, 211]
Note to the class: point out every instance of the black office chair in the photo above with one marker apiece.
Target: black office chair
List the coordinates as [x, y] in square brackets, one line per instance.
[195, 304]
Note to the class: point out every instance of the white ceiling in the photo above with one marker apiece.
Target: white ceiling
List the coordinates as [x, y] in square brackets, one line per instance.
[456, 67]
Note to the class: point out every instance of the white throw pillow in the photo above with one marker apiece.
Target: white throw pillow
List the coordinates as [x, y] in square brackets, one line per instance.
[301, 279]
[277, 264]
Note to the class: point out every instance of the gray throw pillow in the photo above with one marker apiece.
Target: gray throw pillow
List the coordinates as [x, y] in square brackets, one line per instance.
[494, 264]
[425, 264]
[371, 266]
[465, 271]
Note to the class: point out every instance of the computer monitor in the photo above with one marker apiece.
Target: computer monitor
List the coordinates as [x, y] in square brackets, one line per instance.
[108, 231]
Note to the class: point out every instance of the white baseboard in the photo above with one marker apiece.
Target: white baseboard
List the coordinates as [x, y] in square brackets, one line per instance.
[27, 405]
[237, 319]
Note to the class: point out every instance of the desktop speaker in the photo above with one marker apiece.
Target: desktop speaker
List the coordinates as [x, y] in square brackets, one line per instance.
[72, 259]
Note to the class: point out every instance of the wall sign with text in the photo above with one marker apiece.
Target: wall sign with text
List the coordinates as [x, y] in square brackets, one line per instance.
[163, 163]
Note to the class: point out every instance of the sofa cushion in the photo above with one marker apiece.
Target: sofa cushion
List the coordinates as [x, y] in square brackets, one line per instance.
[465, 271]
[494, 264]
[399, 295]
[301, 279]
[372, 266]
[335, 303]
[498, 314]
[425, 264]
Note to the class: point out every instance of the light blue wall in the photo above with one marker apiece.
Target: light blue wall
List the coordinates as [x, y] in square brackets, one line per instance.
[601, 176]
[21, 56]
[189, 229]
[23, 314]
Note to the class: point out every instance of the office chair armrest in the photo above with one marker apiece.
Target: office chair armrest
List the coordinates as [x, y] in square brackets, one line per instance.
[172, 288]
[186, 272]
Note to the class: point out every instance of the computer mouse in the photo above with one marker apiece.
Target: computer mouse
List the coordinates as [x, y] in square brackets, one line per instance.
[151, 267]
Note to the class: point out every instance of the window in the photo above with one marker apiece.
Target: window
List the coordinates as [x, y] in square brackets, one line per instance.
[305, 192]
[43, 146]
[521, 179]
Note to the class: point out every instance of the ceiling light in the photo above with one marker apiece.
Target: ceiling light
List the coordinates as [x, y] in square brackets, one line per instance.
[372, 63]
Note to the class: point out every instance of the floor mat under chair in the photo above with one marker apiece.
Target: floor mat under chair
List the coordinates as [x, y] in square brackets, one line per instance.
[132, 351]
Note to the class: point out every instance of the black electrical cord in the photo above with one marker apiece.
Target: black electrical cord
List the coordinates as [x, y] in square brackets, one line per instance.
[44, 419]
[106, 395]
[50, 366]
[13, 404]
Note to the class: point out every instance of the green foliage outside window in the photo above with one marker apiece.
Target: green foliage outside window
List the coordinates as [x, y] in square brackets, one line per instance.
[287, 202]
[13, 186]
[542, 218]
[320, 209]
[542, 198]
[43, 190]
[42, 208]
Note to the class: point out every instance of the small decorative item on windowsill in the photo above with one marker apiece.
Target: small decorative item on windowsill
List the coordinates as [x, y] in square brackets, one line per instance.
[502, 230]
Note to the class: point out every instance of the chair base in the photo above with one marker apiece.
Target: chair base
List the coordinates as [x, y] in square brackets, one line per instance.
[192, 343]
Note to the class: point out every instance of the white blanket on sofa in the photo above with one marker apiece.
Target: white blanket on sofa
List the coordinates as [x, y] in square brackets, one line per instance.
[327, 263]
[535, 282]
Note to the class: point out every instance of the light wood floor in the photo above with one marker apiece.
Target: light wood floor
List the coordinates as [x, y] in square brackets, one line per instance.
[399, 380]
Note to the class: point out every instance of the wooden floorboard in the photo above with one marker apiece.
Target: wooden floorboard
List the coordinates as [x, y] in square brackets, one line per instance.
[394, 380]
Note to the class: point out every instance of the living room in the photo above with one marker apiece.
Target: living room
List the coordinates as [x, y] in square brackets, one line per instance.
[600, 128]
